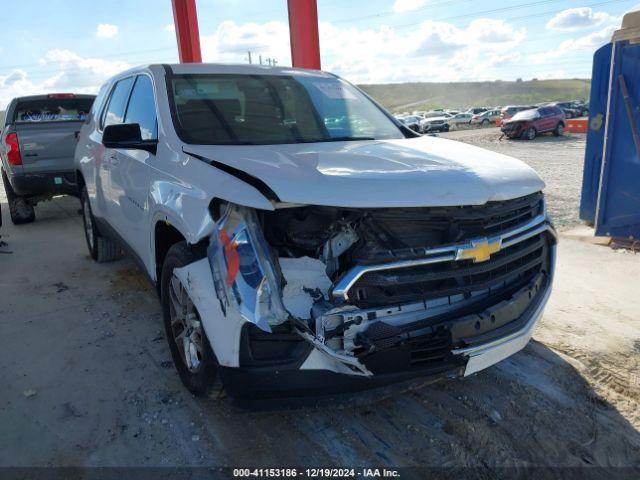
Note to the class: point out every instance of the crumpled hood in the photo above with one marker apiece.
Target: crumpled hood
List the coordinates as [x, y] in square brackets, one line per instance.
[414, 172]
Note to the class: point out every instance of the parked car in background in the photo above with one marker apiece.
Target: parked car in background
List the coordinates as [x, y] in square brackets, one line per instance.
[38, 142]
[580, 107]
[510, 110]
[530, 123]
[436, 122]
[477, 110]
[460, 119]
[299, 258]
[486, 118]
[567, 107]
[411, 121]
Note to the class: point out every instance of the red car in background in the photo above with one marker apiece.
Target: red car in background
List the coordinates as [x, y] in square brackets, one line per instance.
[530, 123]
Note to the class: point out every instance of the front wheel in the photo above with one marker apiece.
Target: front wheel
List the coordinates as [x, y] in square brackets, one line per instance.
[190, 349]
[559, 130]
[529, 134]
[445, 128]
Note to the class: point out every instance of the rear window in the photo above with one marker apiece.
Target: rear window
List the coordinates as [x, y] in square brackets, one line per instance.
[53, 110]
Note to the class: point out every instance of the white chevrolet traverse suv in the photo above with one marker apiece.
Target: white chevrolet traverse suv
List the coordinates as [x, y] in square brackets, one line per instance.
[302, 240]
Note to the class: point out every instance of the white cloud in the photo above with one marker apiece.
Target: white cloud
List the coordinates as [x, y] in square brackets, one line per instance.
[231, 42]
[402, 6]
[106, 30]
[585, 43]
[576, 18]
[63, 70]
[170, 27]
[434, 51]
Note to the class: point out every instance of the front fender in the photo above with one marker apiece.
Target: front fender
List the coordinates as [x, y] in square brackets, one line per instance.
[186, 207]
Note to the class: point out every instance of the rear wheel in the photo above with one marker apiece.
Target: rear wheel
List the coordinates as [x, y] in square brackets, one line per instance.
[192, 354]
[485, 122]
[101, 249]
[20, 210]
[559, 130]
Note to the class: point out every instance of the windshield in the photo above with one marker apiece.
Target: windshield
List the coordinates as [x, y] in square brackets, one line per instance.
[526, 115]
[272, 109]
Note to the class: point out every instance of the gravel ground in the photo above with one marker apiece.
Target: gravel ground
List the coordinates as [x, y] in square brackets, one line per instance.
[558, 160]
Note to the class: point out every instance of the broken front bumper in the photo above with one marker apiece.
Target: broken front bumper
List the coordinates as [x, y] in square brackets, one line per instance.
[305, 371]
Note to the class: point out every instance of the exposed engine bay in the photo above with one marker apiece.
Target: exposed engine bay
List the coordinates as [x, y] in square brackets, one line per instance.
[369, 285]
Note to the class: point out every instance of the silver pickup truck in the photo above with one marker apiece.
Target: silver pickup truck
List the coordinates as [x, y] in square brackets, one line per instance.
[38, 142]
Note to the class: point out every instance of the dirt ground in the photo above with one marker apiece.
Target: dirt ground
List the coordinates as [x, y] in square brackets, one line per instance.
[87, 379]
[558, 160]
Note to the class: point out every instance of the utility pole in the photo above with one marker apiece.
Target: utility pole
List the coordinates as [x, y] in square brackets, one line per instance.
[260, 56]
[249, 55]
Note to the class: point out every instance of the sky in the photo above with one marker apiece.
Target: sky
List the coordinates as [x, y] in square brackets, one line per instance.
[75, 45]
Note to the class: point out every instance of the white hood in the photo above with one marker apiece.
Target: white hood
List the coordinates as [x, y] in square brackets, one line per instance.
[415, 172]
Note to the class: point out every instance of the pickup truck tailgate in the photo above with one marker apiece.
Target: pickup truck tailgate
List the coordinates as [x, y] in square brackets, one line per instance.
[47, 146]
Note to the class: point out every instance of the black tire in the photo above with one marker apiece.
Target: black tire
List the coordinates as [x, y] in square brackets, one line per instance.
[200, 380]
[101, 249]
[20, 210]
[445, 128]
[485, 122]
[559, 130]
[529, 134]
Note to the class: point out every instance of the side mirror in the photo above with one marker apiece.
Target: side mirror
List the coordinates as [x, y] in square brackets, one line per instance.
[127, 136]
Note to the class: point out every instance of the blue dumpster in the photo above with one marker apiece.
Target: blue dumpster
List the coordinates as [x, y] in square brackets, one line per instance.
[611, 183]
[595, 133]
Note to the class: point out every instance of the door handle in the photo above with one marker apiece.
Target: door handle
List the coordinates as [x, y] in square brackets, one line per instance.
[113, 159]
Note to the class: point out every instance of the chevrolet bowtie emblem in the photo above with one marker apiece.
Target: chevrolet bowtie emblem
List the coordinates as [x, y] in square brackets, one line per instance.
[480, 250]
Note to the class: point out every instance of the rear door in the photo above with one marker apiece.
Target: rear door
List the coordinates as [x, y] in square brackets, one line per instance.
[47, 130]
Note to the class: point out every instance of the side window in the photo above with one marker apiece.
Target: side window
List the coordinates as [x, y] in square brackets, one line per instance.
[114, 113]
[142, 108]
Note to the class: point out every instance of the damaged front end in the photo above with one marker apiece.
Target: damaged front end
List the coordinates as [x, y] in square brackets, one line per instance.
[375, 292]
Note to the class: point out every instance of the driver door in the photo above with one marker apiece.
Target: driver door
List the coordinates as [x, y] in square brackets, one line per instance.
[130, 178]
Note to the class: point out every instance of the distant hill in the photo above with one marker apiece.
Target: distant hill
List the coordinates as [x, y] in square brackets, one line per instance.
[424, 96]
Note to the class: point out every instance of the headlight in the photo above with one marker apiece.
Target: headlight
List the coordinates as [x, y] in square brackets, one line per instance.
[243, 272]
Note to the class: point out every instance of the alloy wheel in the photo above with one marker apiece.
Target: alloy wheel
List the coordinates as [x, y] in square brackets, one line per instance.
[185, 326]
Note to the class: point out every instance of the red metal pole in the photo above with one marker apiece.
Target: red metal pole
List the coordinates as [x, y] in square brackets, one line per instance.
[185, 18]
[303, 32]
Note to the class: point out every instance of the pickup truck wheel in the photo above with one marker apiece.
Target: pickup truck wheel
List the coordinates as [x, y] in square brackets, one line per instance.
[19, 209]
[101, 249]
[190, 348]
